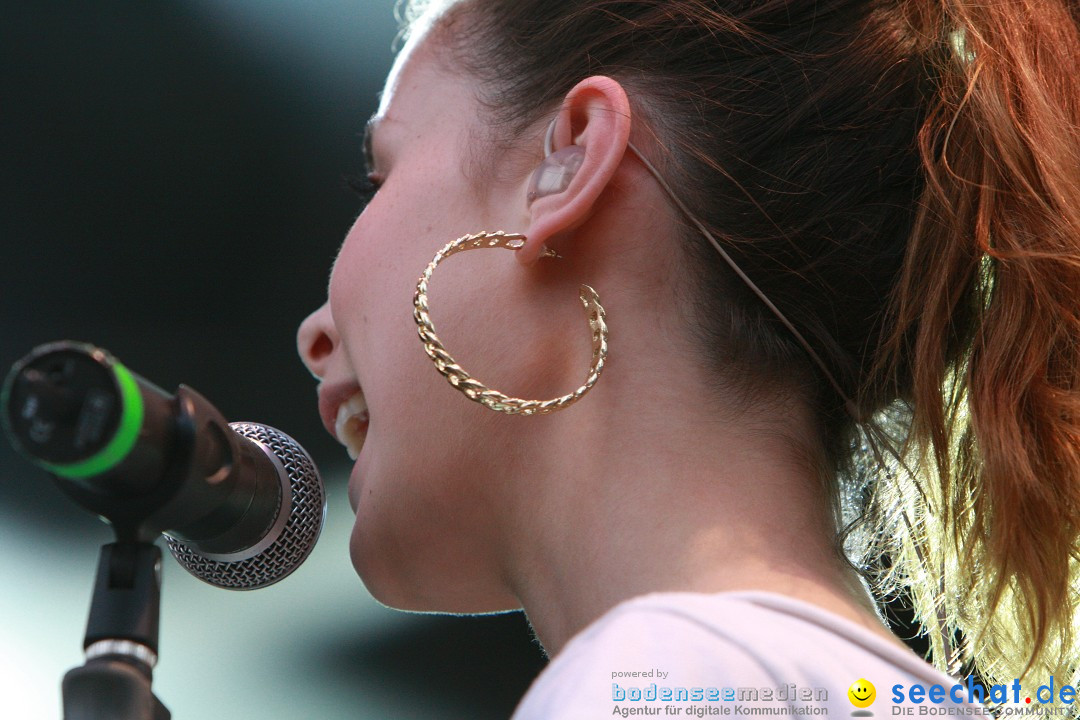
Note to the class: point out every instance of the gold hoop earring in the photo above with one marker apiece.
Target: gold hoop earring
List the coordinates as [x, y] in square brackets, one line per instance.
[475, 390]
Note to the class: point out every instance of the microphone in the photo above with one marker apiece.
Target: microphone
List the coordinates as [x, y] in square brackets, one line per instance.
[241, 505]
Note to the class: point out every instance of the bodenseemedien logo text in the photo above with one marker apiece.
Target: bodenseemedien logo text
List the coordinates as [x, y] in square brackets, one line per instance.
[789, 693]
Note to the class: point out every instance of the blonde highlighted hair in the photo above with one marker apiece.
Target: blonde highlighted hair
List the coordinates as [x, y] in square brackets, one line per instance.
[995, 432]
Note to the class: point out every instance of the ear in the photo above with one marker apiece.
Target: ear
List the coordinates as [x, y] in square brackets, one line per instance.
[595, 115]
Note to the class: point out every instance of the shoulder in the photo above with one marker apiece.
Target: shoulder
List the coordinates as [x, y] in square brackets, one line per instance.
[767, 646]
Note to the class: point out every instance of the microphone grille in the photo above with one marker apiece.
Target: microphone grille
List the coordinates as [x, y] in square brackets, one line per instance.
[296, 539]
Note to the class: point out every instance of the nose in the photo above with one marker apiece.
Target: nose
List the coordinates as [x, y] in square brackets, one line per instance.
[316, 340]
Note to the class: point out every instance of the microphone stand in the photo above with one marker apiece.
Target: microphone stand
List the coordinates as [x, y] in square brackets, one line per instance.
[121, 640]
[146, 462]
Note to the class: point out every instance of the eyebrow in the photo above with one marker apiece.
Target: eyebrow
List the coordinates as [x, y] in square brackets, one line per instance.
[369, 152]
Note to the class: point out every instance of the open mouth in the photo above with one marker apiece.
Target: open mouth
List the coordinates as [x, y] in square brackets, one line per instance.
[351, 424]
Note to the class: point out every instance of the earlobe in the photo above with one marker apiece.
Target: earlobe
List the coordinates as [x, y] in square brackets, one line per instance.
[584, 147]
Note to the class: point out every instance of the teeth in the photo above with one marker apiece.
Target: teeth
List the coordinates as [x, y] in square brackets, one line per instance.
[351, 425]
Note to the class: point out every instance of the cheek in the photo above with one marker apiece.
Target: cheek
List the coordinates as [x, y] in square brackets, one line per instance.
[387, 249]
[363, 272]
[371, 291]
[371, 297]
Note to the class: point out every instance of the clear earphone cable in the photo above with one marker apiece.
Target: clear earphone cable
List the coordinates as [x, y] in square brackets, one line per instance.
[849, 404]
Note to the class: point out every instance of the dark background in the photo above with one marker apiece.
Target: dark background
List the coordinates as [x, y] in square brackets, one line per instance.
[171, 189]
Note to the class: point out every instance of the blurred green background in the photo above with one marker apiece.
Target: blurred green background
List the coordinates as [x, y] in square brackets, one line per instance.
[172, 190]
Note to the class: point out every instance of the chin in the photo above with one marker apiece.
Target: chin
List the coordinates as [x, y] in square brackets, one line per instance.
[422, 585]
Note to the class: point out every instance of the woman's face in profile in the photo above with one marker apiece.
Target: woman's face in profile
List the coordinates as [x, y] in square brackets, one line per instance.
[427, 509]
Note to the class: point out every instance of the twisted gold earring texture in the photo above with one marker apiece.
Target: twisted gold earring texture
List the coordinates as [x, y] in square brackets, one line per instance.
[470, 386]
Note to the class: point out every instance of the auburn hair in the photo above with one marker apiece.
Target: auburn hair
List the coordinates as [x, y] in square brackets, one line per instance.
[902, 179]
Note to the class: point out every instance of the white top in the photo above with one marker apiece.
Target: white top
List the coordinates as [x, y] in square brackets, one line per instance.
[736, 654]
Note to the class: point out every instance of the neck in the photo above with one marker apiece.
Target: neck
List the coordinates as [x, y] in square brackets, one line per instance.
[635, 503]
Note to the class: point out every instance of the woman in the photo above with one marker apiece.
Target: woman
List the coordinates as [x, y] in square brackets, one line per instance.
[837, 250]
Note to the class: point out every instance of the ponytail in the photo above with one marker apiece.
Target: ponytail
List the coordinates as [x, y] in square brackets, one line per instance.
[985, 333]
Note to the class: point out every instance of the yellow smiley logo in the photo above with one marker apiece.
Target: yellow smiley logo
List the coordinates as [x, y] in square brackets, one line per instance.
[862, 693]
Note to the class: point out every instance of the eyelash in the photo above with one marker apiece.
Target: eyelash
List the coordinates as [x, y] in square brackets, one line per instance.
[363, 185]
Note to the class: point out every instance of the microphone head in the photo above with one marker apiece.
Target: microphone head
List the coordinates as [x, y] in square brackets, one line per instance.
[291, 538]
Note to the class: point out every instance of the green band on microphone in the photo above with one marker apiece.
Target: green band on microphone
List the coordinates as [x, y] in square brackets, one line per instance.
[127, 432]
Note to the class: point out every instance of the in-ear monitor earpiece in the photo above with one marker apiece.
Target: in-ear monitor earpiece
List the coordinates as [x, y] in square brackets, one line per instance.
[555, 173]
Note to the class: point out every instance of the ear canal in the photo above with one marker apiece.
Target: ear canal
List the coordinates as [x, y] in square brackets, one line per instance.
[553, 175]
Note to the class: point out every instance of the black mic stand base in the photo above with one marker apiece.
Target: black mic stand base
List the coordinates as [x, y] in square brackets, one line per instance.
[121, 639]
[110, 687]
